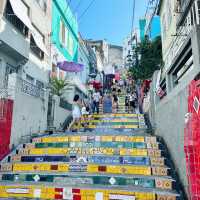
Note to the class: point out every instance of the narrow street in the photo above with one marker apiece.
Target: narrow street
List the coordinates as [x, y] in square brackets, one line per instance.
[100, 99]
[116, 160]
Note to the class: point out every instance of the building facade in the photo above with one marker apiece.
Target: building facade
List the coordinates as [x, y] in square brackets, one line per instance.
[129, 44]
[115, 56]
[152, 28]
[25, 28]
[180, 31]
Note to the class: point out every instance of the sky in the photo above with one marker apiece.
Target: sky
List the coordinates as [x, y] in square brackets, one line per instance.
[107, 19]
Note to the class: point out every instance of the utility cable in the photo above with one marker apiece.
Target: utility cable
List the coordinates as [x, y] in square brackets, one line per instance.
[133, 19]
[85, 11]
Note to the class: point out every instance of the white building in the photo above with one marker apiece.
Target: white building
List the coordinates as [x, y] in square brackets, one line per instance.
[129, 42]
[25, 28]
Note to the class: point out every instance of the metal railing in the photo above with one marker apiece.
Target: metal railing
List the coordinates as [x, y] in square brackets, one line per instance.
[180, 38]
[35, 49]
[14, 20]
[30, 89]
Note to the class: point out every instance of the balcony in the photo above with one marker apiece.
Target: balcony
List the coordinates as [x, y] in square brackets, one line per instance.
[11, 18]
[12, 42]
[35, 49]
[32, 90]
[183, 8]
[180, 40]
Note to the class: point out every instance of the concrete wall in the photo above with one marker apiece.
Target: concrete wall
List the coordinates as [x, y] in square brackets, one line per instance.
[168, 24]
[116, 55]
[29, 114]
[167, 115]
[60, 114]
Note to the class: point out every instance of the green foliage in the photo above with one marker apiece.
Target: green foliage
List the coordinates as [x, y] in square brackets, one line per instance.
[150, 53]
[58, 85]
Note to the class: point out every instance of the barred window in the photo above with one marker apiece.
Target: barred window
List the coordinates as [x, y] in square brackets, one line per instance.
[42, 4]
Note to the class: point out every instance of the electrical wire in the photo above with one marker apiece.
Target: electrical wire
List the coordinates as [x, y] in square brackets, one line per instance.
[133, 18]
[85, 11]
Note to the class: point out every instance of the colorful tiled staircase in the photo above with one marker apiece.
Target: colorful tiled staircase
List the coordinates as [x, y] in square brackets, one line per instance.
[116, 160]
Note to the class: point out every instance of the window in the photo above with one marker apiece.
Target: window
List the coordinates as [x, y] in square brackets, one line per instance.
[62, 33]
[42, 4]
[14, 20]
[9, 70]
[71, 45]
[66, 38]
[33, 46]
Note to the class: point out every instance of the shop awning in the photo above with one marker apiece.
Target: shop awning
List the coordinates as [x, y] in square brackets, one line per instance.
[117, 76]
[39, 41]
[70, 66]
[96, 84]
[21, 12]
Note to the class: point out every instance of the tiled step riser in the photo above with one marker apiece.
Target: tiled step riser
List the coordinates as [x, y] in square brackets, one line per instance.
[128, 145]
[92, 138]
[108, 127]
[165, 184]
[78, 194]
[107, 161]
[91, 159]
[91, 151]
[89, 168]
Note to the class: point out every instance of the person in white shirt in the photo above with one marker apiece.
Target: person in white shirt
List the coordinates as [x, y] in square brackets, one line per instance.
[96, 99]
[76, 112]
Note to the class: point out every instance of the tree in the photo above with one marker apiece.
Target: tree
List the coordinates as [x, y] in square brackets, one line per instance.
[150, 53]
[58, 85]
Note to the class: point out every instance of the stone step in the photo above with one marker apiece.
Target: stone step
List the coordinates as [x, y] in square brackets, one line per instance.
[93, 180]
[104, 192]
[102, 164]
[90, 168]
[92, 151]
[145, 160]
[96, 137]
[114, 144]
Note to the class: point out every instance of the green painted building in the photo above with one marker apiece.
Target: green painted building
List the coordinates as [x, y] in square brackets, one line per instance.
[64, 30]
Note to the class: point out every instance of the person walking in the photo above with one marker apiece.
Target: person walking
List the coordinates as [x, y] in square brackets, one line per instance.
[132, 100]
[76, 113]
[127, 97]
[96, 99]
[115, 103]
[107, 104]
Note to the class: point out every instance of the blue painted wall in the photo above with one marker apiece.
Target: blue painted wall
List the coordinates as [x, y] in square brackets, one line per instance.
[62, 12]
[155, 28]
[142, 24]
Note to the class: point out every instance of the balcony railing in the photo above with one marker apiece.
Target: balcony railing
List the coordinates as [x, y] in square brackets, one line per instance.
[30, 89]
[12, 18]
[184, 4]
[180, 38]
[35, 49]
